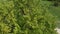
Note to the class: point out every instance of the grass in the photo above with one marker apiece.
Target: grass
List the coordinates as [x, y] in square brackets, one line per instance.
[55, 10]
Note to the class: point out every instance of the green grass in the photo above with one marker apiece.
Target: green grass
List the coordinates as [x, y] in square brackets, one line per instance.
[55, 11]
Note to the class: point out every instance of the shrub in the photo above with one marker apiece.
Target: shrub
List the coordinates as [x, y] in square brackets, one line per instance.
[25, 17]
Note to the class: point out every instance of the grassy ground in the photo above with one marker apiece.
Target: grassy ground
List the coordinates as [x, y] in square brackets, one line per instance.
[56, 12]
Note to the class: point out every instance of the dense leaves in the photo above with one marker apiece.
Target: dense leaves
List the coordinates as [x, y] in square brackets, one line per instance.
[26, 17]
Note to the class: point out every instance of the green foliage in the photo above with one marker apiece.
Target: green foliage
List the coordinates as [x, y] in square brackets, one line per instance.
[25, 17]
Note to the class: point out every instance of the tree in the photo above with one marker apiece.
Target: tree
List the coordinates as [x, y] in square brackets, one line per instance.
[25, 17]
